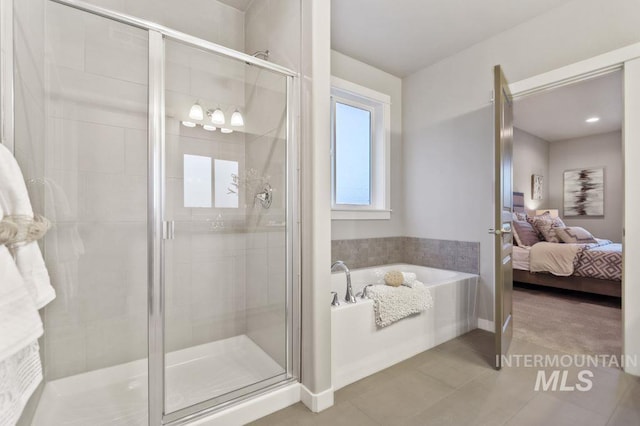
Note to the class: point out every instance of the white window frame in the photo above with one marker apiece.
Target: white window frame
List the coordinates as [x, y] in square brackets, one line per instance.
[379, 105]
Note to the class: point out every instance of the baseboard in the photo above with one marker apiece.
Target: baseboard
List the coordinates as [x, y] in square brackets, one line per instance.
[484, 324]
[316, 402]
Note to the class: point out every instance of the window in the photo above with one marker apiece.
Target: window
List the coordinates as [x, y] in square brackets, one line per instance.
[360, 176]
[197, 181]
[226, 187]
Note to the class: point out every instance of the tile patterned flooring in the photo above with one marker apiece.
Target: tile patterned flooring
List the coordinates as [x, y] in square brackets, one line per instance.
[455, 384]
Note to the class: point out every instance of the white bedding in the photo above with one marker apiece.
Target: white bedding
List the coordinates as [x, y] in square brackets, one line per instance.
[555, 258]
[520, 258]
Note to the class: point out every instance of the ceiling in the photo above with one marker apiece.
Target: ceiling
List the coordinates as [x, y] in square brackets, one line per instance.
[560, 114]
[404, 36]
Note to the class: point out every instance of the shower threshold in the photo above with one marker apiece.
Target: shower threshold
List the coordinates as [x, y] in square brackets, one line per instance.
[117, 395]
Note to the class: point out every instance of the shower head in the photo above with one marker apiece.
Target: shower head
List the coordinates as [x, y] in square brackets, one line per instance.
[260, 54]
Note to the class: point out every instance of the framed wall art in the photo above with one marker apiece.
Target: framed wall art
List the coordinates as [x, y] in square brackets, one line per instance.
[584, 192]
[536, 187]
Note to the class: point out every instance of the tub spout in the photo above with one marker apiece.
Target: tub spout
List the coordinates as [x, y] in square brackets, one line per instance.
[349, 298]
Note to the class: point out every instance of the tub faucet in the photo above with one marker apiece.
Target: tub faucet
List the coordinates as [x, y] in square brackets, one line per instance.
[340, 265]
[363, 293]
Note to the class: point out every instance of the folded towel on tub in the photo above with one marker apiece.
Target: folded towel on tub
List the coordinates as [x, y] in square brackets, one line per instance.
[408, 277]
[394, 303]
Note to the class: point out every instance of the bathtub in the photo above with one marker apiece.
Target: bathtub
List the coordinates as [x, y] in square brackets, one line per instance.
[360, 348]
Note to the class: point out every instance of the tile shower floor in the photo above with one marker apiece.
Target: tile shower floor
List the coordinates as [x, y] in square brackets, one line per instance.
[117, 396]
[454, 384]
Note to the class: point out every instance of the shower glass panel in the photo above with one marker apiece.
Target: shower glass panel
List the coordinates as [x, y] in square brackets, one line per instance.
[226, 276]
[81, 104]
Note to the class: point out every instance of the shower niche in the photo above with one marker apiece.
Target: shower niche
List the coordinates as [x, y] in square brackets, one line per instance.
[173, 250]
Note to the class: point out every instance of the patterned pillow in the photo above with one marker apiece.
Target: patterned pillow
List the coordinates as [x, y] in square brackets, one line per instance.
[546, 226]
[519, 216]
[575, 235]
[524, 234]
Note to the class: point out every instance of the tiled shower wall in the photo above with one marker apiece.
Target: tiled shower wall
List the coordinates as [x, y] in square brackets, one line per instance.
[81, 126]
[274, 26]
[463, 256]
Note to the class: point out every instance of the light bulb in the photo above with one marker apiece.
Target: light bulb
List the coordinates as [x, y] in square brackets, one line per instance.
[225, 130]
[196, 112]
[592, 119]
[209, 127]
[188, 124]
[236, 119]
[217, 117]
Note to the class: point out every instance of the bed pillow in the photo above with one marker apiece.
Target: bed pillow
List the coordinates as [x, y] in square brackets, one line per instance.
[575, 235]
[524, 233]
[519, 216]
[546, 226]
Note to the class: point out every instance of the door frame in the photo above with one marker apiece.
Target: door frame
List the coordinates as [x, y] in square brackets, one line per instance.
[6, 74]
[583, 70]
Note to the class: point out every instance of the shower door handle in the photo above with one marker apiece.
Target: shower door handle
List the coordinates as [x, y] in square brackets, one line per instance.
[168, 230]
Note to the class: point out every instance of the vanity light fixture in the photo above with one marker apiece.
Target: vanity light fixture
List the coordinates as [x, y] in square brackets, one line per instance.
[196, 112]
[217, 117]
[592, 119]
[236, 119]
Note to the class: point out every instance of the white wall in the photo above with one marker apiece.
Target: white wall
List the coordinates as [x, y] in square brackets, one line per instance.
[592, 151]
[530, 156]
[316, 204]
[448, 129]
[349, 69]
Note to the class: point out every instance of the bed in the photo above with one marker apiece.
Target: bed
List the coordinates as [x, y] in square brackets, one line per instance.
[596, 267]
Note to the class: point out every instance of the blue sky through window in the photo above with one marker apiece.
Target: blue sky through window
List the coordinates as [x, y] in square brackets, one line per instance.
[353, 155]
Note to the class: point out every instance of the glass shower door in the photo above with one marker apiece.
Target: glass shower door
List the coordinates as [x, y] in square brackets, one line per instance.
[81, 108]
[226, 275]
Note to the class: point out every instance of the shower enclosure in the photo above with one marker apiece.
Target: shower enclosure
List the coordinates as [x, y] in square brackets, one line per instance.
[174, 242]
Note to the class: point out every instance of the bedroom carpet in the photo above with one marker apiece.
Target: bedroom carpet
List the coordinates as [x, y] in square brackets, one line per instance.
[571, 322]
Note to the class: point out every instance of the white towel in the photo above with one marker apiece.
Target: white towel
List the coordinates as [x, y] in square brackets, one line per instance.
[24, 288]
[20, 323]
[409, 279]
[14, 201]
[20, 375]
[20, 327]
[63, 244]
[394, 303]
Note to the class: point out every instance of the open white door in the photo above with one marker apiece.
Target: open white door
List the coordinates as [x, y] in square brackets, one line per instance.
[503, 116]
